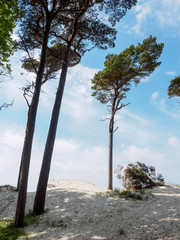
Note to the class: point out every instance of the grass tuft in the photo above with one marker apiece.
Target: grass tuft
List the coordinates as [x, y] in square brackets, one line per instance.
[29, 218]
[127, 194]
[9, 232]
[121, 231]
[55, 223]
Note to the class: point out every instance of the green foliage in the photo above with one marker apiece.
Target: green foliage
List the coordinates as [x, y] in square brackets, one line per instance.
[9, 13]
[174, 87]
[121, 231]
[112, 83]
[55, 223]
[9, 232]
[90, 32]
[131, 65]
[138, 176]
[29, 218]
[54, 61]
[127, 194]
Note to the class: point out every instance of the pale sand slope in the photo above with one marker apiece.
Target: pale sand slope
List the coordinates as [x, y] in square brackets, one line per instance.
[89, 215]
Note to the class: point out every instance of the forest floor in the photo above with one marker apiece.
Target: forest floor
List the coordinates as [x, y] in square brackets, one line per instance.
[77, 210]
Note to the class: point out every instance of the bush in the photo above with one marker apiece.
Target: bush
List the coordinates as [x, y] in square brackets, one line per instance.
[138, 176]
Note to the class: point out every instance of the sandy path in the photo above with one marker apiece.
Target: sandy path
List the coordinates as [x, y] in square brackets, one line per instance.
[89, 215]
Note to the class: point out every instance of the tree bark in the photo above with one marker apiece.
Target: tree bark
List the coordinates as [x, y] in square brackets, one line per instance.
[111, 131]
[30, 126]
[40, 196]
[110, 168]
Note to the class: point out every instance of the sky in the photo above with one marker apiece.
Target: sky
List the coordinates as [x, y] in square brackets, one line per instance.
[148, 128]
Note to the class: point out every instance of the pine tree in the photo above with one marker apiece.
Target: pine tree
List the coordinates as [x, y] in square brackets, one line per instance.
[84, 32]
[174, 87]
[42, 24]
[110, 85]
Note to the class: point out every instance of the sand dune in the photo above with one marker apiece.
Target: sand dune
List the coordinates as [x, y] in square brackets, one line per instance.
[76, 210]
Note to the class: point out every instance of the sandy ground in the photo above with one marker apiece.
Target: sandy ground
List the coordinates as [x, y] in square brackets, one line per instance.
[81, 211]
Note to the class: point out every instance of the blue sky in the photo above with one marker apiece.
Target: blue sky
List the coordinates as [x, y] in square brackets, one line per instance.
[148, 127]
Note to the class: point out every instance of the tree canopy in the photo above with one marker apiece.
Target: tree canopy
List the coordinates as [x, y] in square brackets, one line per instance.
[9, 13]
[43, 24]
[54, 61]
[174, 87]
[79, 31]
[111, 84]
[133, 64]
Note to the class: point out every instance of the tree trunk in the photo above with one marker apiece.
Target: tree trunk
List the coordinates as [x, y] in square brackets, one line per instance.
[40, 196]
[110, 168]
[30, 126]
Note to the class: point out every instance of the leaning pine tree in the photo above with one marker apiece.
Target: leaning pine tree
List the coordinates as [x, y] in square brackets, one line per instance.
[38, 20]
[110, 85]
[81, 31]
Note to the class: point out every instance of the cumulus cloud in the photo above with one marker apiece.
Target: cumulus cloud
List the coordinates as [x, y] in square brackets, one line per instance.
[10, 144]
[171, 73]
[162, 105]
[142, 12]
[135, 128]
[155, 95]
[164, 13]
[77, 99]
[74, 159]
[174, 141]
[71, 159]
[133, 154]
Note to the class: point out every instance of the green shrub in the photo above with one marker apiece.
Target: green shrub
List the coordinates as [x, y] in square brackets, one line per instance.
[138, 176]
[9, 232]
[127, 194]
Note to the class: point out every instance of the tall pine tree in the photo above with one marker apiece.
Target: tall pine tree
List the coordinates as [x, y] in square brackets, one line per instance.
[48, 20]
[110, 85]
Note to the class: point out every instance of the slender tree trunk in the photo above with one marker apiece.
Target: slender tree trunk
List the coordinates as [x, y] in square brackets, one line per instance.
[17, 189]
[30, 126]
[40, 196]
[110, 168]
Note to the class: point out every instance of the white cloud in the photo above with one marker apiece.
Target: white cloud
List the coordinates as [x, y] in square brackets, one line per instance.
[134, 128]
[10, 147]
[171, 73]
[164, 13]
[143, 80]
[77, 99]
[71, 159]
[11, 89]
[142, 12]
[155, 95]
[174, 141]
[134, 116]
[12, 138]
[133, 154]
[74, 160]
[163, 107]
